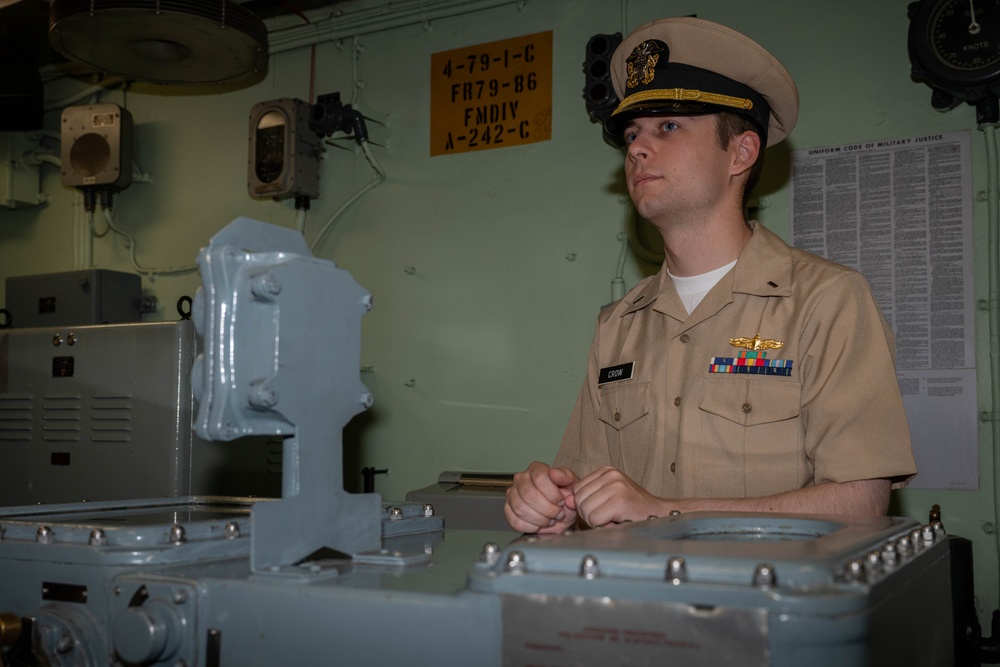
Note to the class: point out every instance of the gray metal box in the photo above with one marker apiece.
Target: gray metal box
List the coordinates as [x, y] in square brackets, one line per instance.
[104, 413]
[467, 500]
[89, 296]
[20, 182]
[170, 584]
[711, 588]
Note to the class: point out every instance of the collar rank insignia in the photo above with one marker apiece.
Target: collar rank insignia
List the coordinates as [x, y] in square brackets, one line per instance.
[752, 358]
[641, 63]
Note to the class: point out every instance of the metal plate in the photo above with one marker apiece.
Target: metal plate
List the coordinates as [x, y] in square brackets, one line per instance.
[562, 630]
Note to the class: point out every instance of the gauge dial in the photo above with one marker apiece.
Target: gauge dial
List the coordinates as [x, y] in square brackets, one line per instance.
[965, 34]
[955, 46]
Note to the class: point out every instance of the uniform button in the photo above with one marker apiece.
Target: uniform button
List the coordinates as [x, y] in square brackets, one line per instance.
[618, 416]
[747, 408]
[673, 467]
[677, 401]
[685, 338]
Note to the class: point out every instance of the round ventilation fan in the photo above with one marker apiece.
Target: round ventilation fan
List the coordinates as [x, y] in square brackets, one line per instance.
[161, 41]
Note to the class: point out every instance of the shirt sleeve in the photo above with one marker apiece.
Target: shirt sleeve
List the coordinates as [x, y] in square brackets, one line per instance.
[583, 448]
[855, 426]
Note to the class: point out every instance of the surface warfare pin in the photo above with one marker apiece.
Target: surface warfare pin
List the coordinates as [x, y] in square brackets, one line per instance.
[752, 358]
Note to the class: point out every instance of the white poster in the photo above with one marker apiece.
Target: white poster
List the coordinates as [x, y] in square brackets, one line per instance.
[900, 212]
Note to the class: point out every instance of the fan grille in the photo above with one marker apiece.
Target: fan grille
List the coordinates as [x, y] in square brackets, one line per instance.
[162, 41]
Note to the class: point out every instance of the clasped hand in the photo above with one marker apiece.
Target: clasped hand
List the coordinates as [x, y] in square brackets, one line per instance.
[544, 499]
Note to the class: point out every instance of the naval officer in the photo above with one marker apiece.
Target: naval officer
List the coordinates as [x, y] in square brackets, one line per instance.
[746, 375]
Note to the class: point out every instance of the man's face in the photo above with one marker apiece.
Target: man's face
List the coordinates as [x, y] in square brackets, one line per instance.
[675, 167]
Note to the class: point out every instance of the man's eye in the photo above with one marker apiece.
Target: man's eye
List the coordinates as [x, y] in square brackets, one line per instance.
[629, 137]
[668, 126]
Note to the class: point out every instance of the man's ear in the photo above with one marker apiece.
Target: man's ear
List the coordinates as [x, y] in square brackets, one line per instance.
[748, 148]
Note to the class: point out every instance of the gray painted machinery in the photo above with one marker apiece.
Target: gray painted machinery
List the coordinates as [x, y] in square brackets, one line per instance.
[324, 577]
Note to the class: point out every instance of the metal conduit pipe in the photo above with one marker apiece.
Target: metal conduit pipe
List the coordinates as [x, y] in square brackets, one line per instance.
[993, 200]
[375, 19]
[982, 650]
[102, 87]
[38, 157]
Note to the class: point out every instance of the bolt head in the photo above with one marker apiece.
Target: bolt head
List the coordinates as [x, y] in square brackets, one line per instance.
[764, 575]
[490, 553]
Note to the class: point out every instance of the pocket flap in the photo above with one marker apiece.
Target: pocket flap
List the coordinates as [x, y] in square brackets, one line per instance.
[751, 401]
[622, 405]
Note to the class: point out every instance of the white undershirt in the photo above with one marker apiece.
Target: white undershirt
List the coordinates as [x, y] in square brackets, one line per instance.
[692, 289]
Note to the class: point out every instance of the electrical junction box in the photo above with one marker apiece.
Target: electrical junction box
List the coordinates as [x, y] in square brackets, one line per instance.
[20, 182]
[88, 296]
[94, 413]
[285, 152]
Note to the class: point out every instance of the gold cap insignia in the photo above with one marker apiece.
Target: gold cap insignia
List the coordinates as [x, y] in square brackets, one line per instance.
[757, 343]
[641, 64]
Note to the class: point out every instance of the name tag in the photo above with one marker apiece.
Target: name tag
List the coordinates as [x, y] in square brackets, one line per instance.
[616, 373]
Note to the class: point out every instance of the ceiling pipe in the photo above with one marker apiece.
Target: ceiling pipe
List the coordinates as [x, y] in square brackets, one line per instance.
[341, 25]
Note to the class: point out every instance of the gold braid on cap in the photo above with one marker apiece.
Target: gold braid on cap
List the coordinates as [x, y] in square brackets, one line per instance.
[684, 95]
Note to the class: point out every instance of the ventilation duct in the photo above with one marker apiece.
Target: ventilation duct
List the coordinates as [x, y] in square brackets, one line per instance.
[161, 41]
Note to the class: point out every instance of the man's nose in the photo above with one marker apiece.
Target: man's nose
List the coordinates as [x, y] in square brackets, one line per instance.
[639, 148]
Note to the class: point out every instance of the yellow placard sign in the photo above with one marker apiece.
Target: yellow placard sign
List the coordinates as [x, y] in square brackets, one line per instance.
[492, 95]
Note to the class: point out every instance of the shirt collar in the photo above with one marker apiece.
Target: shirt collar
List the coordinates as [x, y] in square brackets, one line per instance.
[765, 265]
[764, 268]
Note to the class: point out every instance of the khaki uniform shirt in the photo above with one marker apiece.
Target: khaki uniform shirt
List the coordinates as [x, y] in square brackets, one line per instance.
[683, 431]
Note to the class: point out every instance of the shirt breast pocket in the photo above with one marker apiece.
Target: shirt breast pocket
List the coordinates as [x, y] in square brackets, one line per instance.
[752, 443]
[628, 425]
